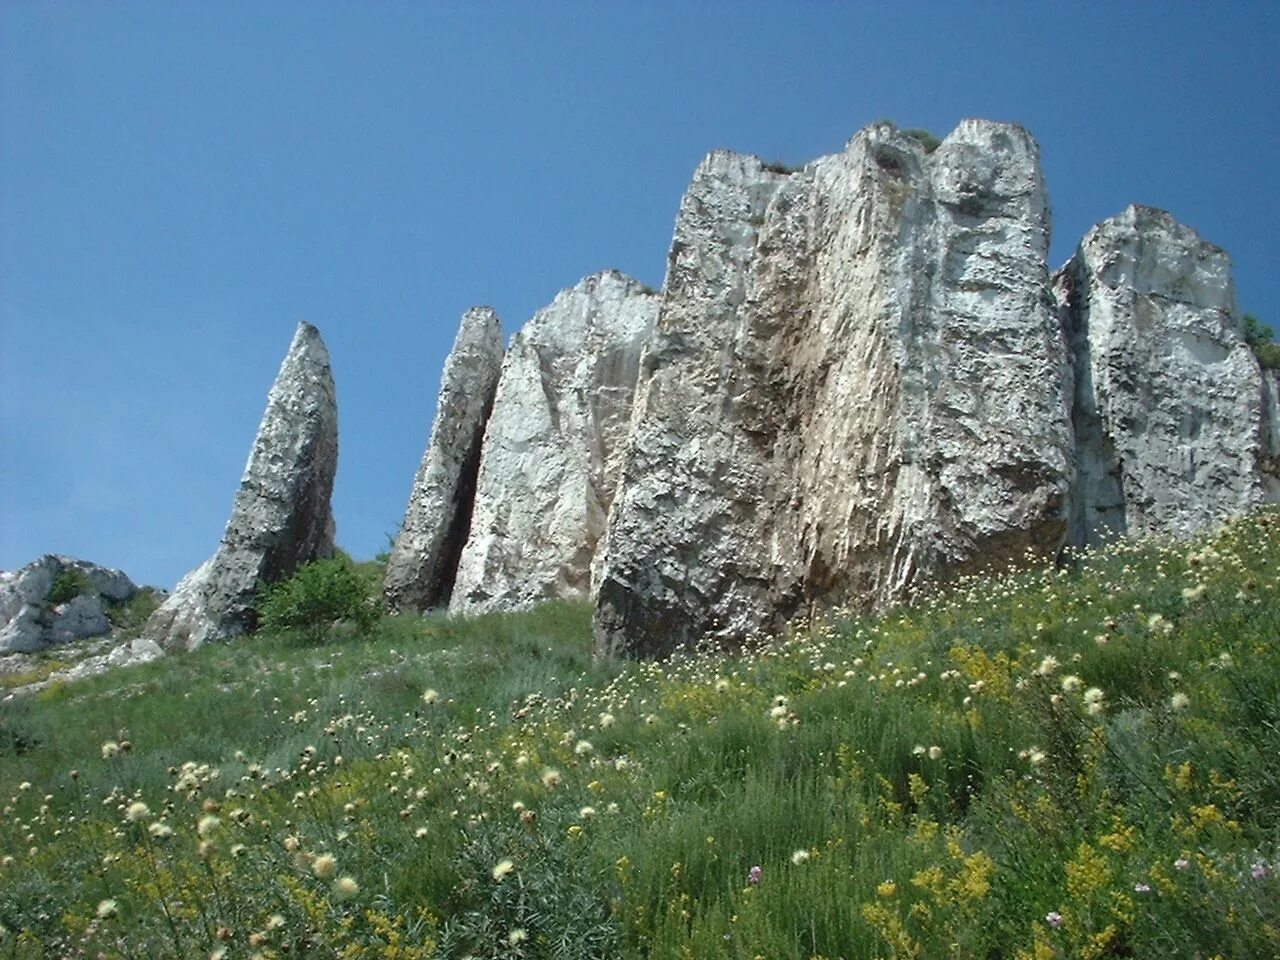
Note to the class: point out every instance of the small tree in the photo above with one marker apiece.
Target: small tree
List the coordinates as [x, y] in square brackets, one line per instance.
[66, 586]
[316, 597]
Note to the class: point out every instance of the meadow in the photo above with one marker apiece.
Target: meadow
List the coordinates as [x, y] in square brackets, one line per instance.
[1069, 761]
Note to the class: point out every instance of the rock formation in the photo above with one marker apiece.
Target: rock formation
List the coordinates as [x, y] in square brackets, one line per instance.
[31, 619]
[552, 446]
[1170, 413]
[423, 562]
[281, 517]
[1271, 431]
[857, 380]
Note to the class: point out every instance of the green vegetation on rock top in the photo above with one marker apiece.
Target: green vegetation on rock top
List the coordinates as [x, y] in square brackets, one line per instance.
[1066, 762]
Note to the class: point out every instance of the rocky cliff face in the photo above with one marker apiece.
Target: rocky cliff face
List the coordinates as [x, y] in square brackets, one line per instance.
[424, 560]
[857, 380]
[1271, 431]
[281, 517]
[1170, 408]
[31, 619]
[550, 456]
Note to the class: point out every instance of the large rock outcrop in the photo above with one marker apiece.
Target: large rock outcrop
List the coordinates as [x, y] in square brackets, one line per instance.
[1170, 408]
[282, 516]
[35, 615]
[551, 452]
[424, 559]
[857, 381]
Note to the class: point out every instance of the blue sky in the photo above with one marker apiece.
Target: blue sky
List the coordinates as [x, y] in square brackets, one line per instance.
[180, 183]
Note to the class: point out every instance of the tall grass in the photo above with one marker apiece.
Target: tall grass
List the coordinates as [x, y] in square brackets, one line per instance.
[1076, 761]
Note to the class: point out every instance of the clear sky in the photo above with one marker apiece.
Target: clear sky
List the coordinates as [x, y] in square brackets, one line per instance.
[180, 183]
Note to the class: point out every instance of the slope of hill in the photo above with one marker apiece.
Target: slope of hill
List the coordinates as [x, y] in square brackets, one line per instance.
[1076, 761]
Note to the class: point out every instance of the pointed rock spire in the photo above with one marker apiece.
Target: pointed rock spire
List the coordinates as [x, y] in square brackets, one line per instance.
[282, 516]
[424, 559]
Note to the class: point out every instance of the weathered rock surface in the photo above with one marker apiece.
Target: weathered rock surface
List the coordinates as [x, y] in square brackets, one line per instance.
[29, 621]
[1170, 407]
[1271, 429]
[424, 559]
[857, 382]
[551, 453]
[281, 517]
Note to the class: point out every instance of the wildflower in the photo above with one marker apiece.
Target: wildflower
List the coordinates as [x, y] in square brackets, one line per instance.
[160, 830]
[430, 696]
[1141, 888]
[137, 811]
[935, 752]
[1179, 701]
[887, 889]
[420, 833]
[107, 909]
[799, 857]
[24, 786]
[918, 750]
[502, 870]
[1259, 870]
[753, 876]
[207, 825]
[324, 866]
[586, 813]
[1191, 594]
[606, 720]
[238, 849]
[1053, 918]
[109, 750]
[275, 921]
[291, 844]
[1047, 666]
[1093, 701]
[1071, 683]
[583, 748]
[517, 937]
[551, 778]
[344, 888]
[778, 713]
[721, 684]
[1181, 863]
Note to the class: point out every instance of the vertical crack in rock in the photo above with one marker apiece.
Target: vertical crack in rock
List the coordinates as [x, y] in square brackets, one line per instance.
[551, 452]
[424, 560]
[282, 516]
[1169, 403]
[857, 382]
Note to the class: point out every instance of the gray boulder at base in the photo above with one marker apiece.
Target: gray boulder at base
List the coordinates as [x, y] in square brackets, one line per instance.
[424, 559]
[282, 516]
[1170, 407]
[551, 453]
[857, 382]
[29, 622]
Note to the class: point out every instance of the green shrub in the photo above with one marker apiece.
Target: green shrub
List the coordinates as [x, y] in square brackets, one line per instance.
[927, 139]
[1258, 336]
[68, 585]
[131, 614]
[318, 596]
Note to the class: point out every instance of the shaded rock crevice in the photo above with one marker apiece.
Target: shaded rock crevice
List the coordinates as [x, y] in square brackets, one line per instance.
[424, 559]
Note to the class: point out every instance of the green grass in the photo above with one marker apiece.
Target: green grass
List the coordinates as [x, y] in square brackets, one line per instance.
[926, 783]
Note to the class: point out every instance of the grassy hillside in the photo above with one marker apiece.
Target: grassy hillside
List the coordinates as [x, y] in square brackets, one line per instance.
[1075, 762]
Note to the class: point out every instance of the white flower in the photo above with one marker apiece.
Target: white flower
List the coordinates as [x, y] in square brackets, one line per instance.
[583, 748]
[107, 909]
[324, 866]
[344, 888]
[1047, 666]
[137, 811]
[935, 752]
[1179, 701]
[1071, 683]
[799, 857]
[430, 696]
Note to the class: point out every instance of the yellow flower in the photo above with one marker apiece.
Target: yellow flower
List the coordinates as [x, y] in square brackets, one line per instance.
[887, 889]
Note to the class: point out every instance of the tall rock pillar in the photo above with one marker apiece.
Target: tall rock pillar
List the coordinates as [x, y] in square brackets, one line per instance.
[282, 516]
[424, 559]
